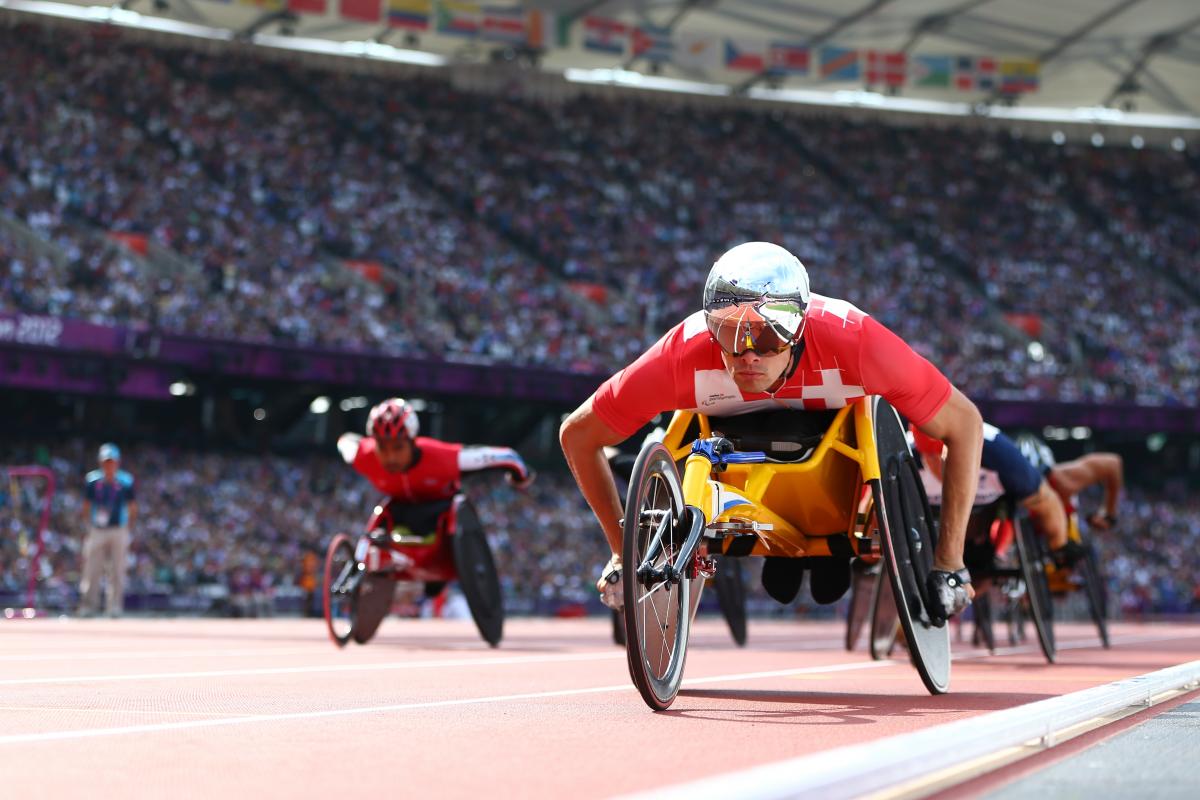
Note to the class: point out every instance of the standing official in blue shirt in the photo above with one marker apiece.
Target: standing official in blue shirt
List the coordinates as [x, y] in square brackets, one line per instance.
[109, 512]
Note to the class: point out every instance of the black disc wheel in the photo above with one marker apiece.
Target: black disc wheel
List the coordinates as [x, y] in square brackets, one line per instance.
[477, 574]
[1093, 586]
[372, 604]
[909, 539]
[862, 588]
[731, 597]
[657, 610]
[1038, 601]
[339, 588]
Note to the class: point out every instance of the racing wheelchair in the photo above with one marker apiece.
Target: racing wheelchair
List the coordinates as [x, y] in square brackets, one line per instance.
[433, 543]
[1006, 559]
[789, 489]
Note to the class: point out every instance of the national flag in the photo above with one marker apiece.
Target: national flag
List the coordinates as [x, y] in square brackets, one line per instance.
[410, 15]
[839, 64]
[605, 35]
[885, 69]
[1019, 75]
[458, 19]
[652, 44]
[745, 55]
[931, 71]
[360, 10]
[505, 24]
[548, 29]
[308, 6]
[975, 73]
[788, 58]
[697, 52]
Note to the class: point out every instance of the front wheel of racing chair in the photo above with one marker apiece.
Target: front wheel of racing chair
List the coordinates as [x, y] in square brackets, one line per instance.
[477, 573]
[1093, 585]
[1033, 557]
[660, 589]
[909, 540]
[340, 589]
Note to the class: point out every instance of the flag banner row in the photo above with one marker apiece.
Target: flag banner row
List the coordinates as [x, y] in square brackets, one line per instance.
[520, 26]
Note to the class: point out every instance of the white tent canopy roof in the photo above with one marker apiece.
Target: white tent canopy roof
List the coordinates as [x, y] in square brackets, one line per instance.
[1141, 55]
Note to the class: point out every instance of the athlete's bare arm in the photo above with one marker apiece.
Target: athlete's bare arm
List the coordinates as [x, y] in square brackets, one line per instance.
[584, 436]
[1072, 477]
[960, 426]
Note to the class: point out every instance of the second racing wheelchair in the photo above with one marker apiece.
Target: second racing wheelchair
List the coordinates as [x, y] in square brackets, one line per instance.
[790, 488]
[432, 543]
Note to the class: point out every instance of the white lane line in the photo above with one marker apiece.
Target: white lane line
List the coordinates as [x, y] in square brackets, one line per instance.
[127, 654]
[382, 666]
[897, 764]
[624, 687]
[389, 665]
[54, 736]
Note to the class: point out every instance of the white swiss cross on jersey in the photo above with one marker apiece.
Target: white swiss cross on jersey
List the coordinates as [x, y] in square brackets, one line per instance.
[845, 355]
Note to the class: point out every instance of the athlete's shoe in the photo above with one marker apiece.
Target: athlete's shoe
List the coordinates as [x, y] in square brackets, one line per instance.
[612, 592]
[948, 594]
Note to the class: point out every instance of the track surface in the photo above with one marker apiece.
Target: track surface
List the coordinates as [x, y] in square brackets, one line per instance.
[204, 708]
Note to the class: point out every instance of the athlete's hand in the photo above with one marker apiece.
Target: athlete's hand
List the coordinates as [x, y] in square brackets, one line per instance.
[609, 584]
[1101, 521]
[521, 483]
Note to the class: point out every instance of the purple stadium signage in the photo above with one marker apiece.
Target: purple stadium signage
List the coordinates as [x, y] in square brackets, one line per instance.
[47, 331]
[52, 354]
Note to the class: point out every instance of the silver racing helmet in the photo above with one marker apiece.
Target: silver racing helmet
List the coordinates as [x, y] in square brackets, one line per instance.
[755, 298]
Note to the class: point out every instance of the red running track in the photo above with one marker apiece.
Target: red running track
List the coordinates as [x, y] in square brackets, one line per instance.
[269, 708]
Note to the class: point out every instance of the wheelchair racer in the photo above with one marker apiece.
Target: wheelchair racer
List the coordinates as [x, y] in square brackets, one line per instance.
[1070, 478]
[1020, 480]
[763, 341]
[417, 469]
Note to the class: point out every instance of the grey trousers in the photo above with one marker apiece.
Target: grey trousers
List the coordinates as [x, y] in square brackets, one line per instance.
[104, 552]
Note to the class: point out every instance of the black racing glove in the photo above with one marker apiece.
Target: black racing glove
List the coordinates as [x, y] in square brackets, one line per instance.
[947, 593]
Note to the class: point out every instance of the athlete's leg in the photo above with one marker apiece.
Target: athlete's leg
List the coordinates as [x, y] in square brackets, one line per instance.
[1048, 514]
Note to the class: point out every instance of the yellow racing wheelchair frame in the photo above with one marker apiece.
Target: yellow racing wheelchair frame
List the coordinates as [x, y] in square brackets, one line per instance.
[853, 492]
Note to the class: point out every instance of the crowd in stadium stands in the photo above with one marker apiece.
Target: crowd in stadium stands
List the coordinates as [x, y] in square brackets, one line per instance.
[487, 210]
[240, 527]
[1031, 220]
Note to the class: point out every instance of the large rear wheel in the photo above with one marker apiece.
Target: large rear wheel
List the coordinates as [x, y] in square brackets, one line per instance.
[1040, 604]
[909, 539]
[1093, 586]
[657, 609]
[477, 574]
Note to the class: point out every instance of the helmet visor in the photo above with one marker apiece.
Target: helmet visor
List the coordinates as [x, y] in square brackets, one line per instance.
[767, 327]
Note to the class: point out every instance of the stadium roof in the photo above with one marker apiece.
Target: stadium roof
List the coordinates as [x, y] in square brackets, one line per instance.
[1134, 55]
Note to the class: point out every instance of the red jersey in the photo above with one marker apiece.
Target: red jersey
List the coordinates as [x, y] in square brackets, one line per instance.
[846, 355]
[435, 476]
